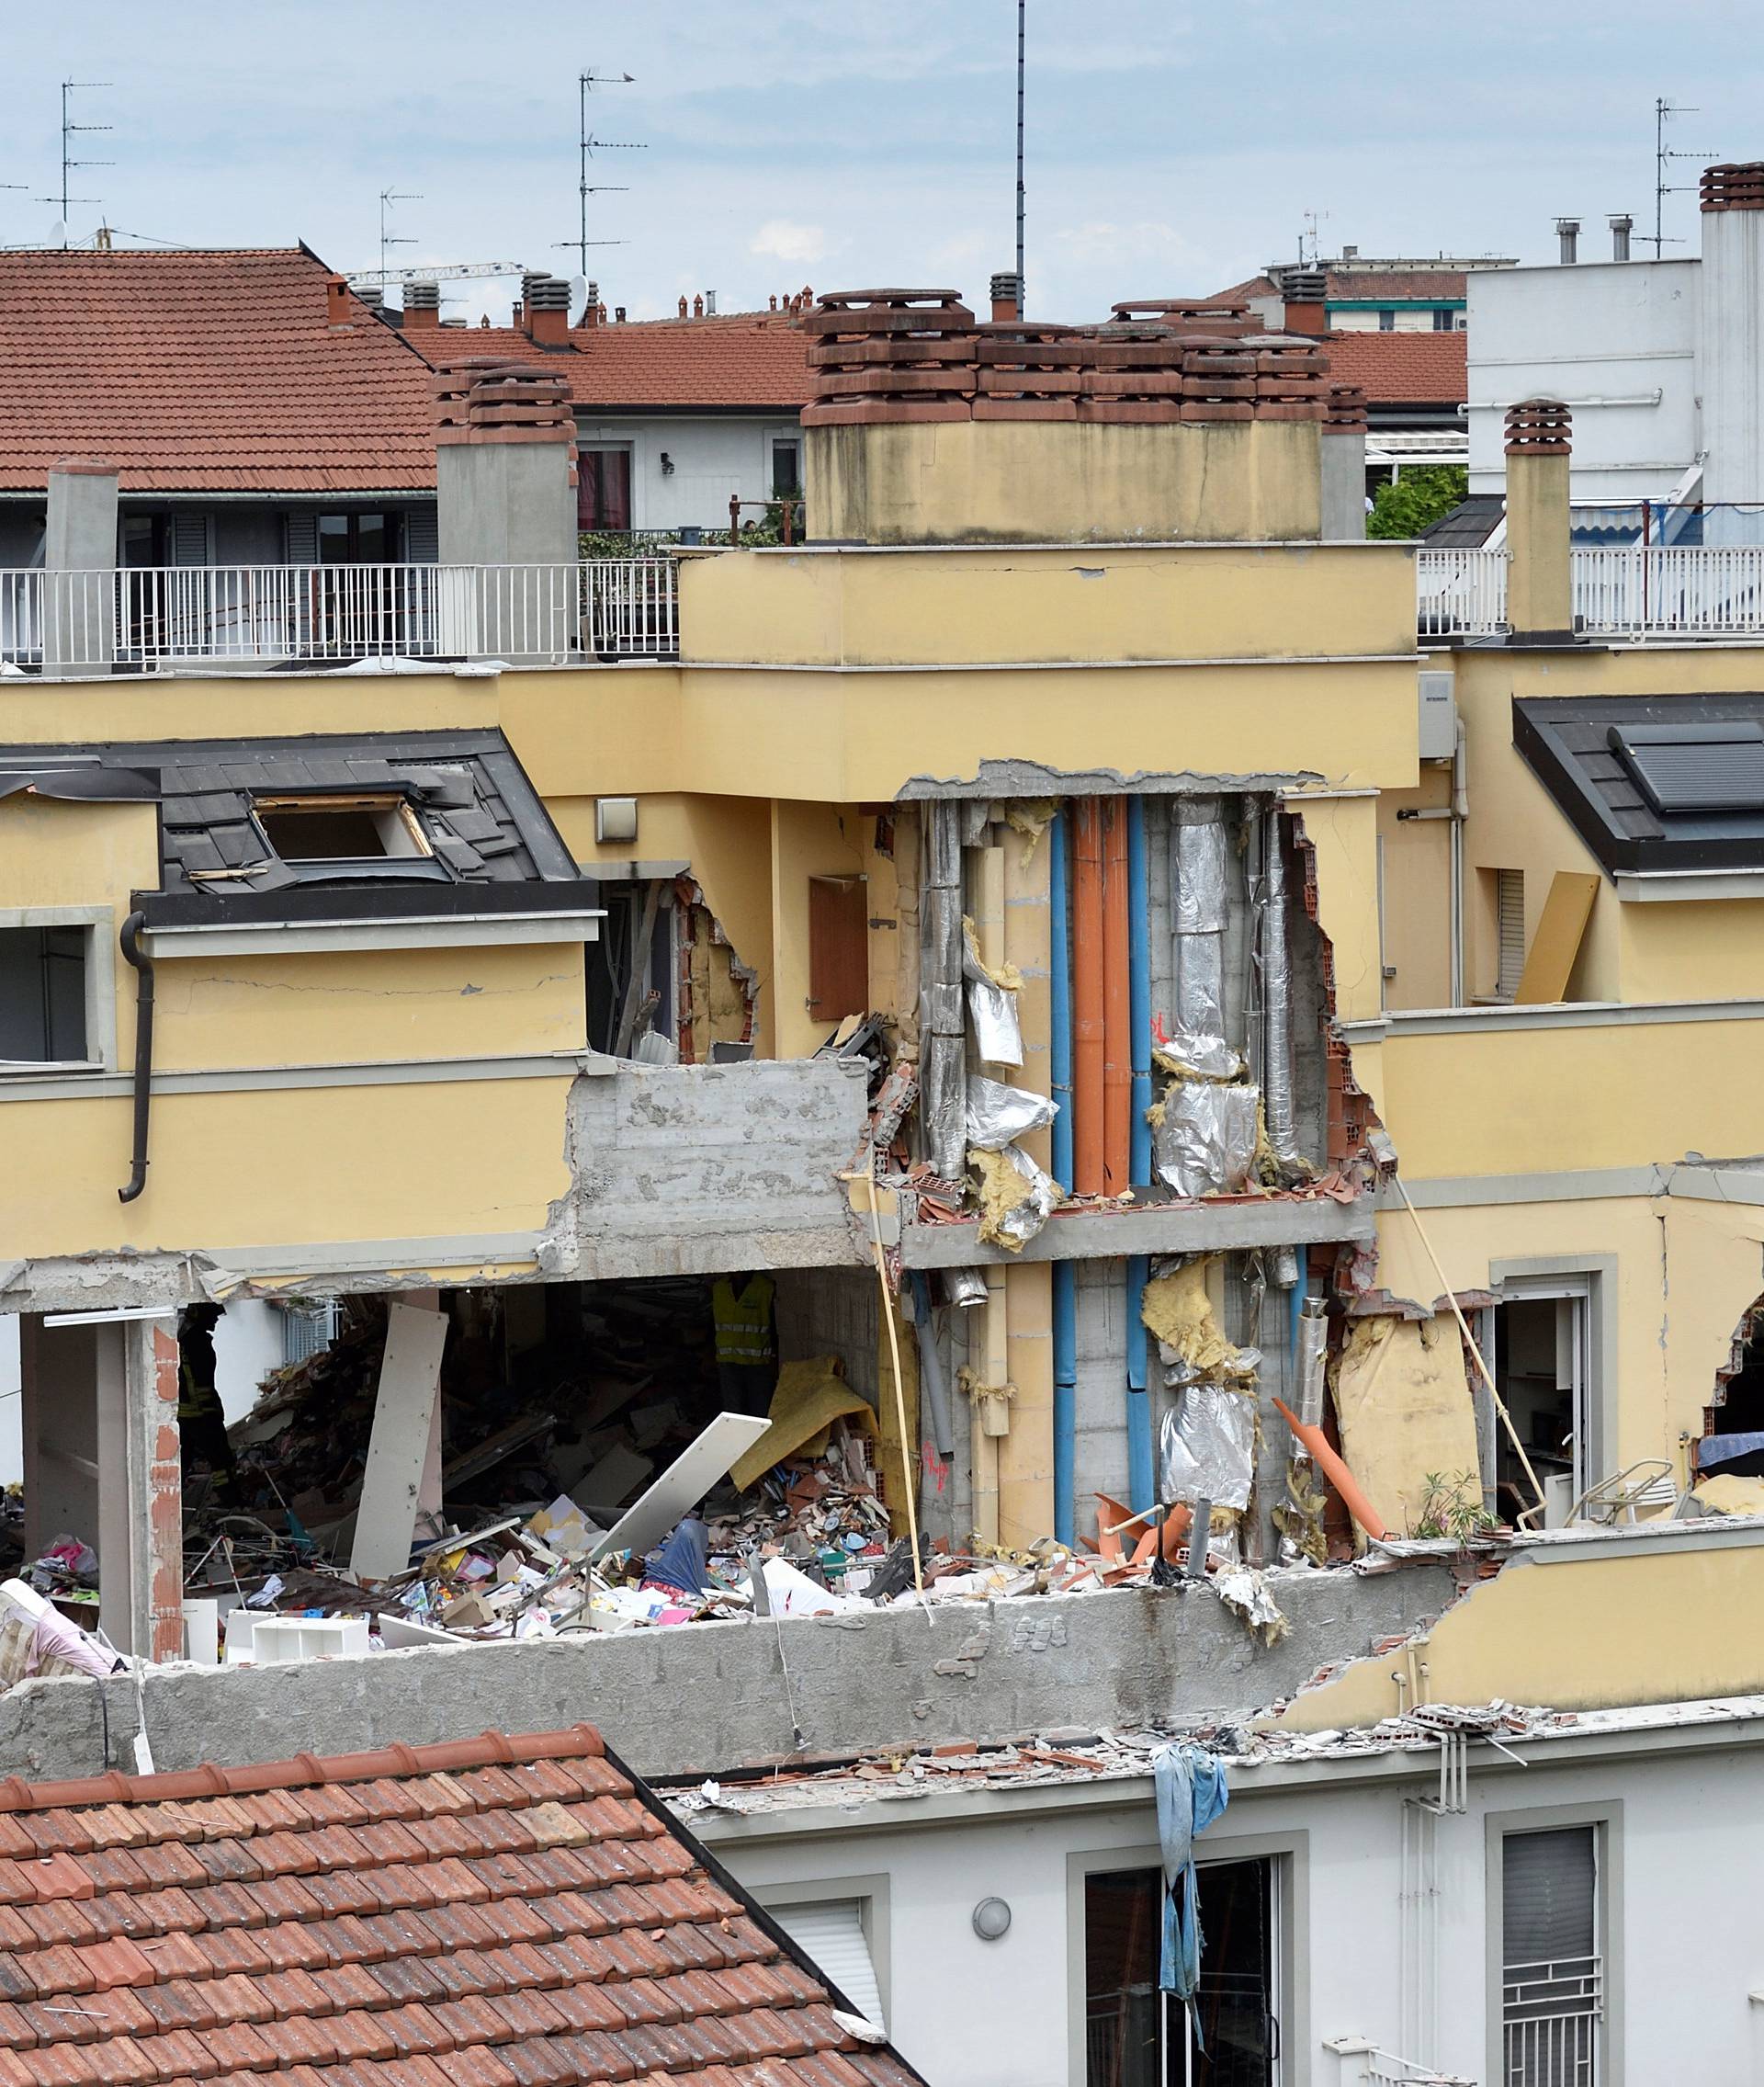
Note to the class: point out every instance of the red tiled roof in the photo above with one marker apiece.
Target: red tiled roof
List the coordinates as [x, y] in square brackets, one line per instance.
[748, 361]
[1400, 369]
[203, 372]
[493, 1912]
[1394, 285]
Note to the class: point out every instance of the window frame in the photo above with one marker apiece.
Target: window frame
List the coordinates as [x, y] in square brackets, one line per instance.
[590, 445]
[1288, 1853]
[871, 1890]
[1606, 1818]
[100, 925]
[1593, 1278]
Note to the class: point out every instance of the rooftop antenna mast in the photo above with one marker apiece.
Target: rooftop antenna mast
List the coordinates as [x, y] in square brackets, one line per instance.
[1022, 38]
[388, 199]
[587, 144]
[1664, 155]
[69, 130]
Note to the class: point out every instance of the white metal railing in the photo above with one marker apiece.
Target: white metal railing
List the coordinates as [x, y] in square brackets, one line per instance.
[1459, 593]
[1620, 591]
[1379, 2067]
[167, 617]
[1549, 2016]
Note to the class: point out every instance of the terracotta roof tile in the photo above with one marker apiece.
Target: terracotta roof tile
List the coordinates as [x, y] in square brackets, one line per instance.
[752, 362]
[490, 1914]
[1400, 369]
[205, 371]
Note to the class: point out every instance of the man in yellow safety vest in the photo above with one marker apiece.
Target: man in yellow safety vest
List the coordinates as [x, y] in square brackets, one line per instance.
[747, 1347]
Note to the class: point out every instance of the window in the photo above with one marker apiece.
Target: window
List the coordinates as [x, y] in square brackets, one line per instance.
[357, 539]
[831, 1933]
[1542, 1362]
[332, 829]
[1133, 2037]
[604, 489]
[839, 954]
[43, 1013]
[143, 540]
[1552, 1985]
[1444, 321]
[1386, 322]
[787, 470]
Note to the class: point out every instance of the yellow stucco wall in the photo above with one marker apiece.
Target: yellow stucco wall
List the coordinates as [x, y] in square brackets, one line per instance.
[1053, 482]
[808, 840]
[261, 1167]
[1577, 1634]
[150, 707]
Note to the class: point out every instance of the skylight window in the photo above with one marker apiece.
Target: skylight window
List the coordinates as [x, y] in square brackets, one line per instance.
[1695, 768]
[341, 829]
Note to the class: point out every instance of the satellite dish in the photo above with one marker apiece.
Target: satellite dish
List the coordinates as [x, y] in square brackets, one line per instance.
[57, 231]
[578, 298]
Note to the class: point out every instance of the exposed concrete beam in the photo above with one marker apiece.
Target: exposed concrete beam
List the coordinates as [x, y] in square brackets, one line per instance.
[1186, 1228]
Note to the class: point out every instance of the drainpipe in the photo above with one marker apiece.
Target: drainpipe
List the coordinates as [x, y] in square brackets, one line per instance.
[991, 1417]
[1141, 1481]
[134, 955]
[1140, 992]
[1065, 1301]
[1277, 995]
[1117, 1026]
[930, 1368]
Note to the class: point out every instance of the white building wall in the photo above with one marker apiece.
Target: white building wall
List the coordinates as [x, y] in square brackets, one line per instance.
[711, 459]
[1610, 330]
[12, 1454]
[1398, 1956]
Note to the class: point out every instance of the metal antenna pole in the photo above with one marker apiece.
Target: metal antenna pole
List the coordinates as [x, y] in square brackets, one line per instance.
[389, 197]
[68, 162]
[585, 143]
[1022, 293]
[1664, 155]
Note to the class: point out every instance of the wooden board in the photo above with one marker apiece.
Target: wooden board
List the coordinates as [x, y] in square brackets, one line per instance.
[397, 1449]
[1549, 962]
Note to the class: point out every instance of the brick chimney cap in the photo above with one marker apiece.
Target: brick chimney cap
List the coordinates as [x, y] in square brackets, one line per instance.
[1538, 427]
[1736, 184]
[82, 467]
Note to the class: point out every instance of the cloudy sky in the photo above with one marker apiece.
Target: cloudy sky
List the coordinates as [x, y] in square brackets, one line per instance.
[1172, 148]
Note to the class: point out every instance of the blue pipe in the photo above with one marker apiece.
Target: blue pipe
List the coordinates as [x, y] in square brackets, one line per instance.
[1059, 1000]
[1065, 1303]
[1141, 1477]
[1140, 992]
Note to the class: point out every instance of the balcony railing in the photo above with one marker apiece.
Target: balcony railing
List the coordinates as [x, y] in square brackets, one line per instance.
[168, 617]
[1620, 591]
[1549, 2016]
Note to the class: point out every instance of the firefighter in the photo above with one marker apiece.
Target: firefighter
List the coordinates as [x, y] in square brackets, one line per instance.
[747, 1347]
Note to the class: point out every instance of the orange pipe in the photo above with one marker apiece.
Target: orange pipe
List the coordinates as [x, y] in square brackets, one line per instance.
[1118, 1067]
[1336, 1471]
[1087, 1011]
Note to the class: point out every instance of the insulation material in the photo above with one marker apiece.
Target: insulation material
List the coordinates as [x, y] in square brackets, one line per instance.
[1277, 1002]
[1244, 1592]
[940, 1042]
[1199, 887]
[1405, 1413]
[1208, 1445]
[1728, 1495]
[1178, 1312]
[1016, 1198]
[1203, 1137]
[1197, 1057]
[997, 1115]
[1031, 817]
[807, 1399]
[991, 1004]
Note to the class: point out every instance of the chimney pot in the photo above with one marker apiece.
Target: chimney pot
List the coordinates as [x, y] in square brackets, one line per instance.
[697, 307]
[1567, 232]
[546, 299]
[1621, 225]
[710, 304]
[336, 302]
[1007, 297]
[421, 306]
[684, 308]
[619, 314]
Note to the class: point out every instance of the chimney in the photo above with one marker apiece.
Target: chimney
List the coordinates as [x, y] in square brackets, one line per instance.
[1304, 292]
[1007, 298]
[336, 302]
[619, 315]
[1341, 460]
[547, 300]
[710, 304]
[697, 307]
[1730, 292]
[683, 308]
[1349, 253]
[1567, 232]
[1620, 228]
[1539, 600]
[591, 312]
[422, 307]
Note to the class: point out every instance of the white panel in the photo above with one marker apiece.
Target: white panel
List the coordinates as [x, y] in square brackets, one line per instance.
[410, 1385]
[831, 1931]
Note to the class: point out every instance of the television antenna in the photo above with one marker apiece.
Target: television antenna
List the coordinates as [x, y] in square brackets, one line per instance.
[1664, 155]
[69, 130]
[388, 199]
[587, 144]
[449, 271]
[1022, 33]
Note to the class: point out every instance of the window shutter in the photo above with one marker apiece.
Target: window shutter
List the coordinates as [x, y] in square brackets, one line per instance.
[1509, 905]
[189, 538]
[838, 957]
[422, 537]
[830, 1932]
[301, 538]
[1549, 1883]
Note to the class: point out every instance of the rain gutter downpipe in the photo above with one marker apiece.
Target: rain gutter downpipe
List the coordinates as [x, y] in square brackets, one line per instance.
[1141, 1480]
[135, 956]
[1065, 1299]
[1141, 1483]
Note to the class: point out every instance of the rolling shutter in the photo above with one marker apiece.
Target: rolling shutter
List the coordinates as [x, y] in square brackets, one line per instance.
[1509, 907]
[189, 538]
[1549, 1883]
[422, 537]
[301, 538]
[831, 1933]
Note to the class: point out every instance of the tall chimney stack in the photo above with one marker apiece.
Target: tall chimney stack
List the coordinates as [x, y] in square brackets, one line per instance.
[336, 302]
[1730, 328]
[1621, 225]
[545, 302]
[1007, 298]
[1540, 594]
[1567, 233]
[422, 307]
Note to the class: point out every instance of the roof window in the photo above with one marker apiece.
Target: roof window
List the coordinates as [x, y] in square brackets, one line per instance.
[1689, 768]
[362, 828]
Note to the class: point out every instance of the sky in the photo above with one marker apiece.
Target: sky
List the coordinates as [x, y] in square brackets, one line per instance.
[1172, 149]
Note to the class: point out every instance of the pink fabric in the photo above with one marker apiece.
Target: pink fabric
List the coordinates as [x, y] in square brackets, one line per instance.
[57, 1639]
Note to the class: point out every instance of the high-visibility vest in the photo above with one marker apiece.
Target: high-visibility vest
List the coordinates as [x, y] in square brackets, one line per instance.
[744, 1323]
